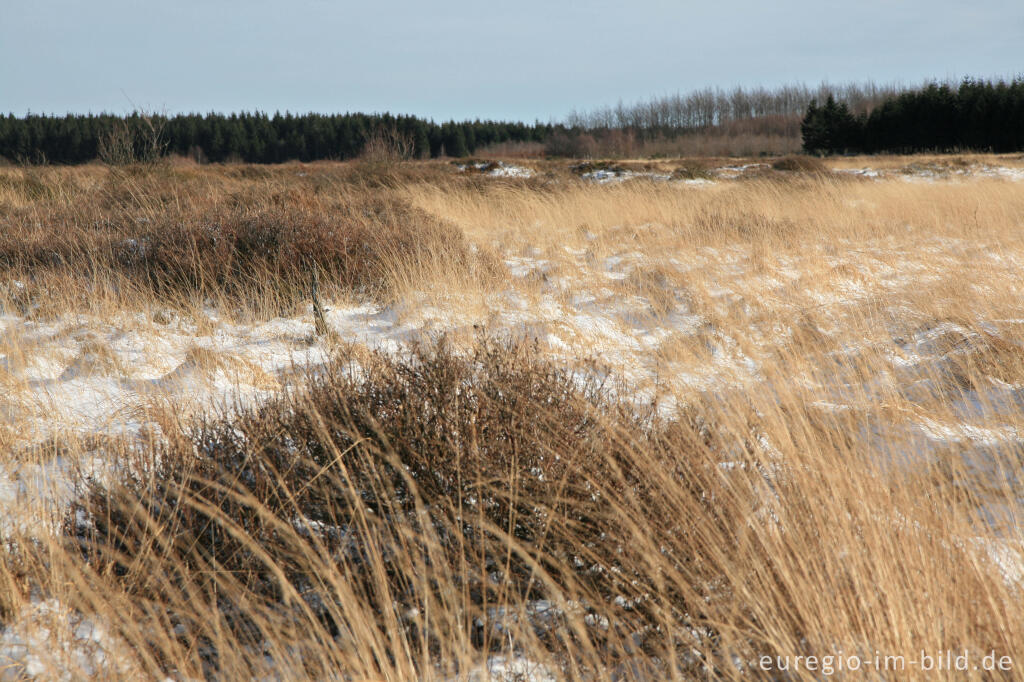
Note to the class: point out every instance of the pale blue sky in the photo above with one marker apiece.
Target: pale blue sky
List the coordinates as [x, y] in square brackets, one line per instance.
[530, 59]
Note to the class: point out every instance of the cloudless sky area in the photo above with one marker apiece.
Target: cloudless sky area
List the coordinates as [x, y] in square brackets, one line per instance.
[524, 59]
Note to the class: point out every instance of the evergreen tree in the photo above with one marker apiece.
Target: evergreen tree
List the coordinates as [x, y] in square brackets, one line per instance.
[421, 142]
[812, 130]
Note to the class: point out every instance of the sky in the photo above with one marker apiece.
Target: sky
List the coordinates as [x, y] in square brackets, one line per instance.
[499, 59]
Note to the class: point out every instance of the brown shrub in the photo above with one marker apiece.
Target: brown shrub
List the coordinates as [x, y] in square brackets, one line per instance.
[800, 164]
[691, 170]
[438, 486]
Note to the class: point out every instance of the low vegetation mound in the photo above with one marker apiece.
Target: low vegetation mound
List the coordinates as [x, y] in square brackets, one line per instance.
[435, 507]
[802, 164]
[254, 236]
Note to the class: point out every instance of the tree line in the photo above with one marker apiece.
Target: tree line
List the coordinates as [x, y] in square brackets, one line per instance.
[977, 115]
[251, 137]
[700, 110]
[866, 118]
[257, 137]
[738, 121]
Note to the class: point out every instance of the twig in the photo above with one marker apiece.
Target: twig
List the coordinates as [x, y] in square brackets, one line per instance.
[319, 321]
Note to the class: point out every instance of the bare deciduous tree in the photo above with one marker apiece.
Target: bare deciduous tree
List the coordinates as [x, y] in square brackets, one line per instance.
[388, 145]
[138, 138]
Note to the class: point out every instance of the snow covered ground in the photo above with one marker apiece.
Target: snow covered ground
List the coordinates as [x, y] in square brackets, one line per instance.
[614, 174]
[498, 169]
[931, 173]
[51, 642]
[911, 173]
[667, 327]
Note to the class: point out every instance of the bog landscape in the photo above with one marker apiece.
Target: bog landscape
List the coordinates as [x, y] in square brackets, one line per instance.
[718, 386]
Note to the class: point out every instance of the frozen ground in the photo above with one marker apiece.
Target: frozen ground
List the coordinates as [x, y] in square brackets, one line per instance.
[911, 173]
[933, 173]
[51, 642]
[614, 174]
[498, 169]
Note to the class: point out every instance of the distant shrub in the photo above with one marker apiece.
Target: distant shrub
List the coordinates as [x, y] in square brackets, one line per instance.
[591, 166]
[691, 170]
[802, 164]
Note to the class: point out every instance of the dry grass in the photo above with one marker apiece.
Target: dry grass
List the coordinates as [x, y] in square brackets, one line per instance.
[774, 416]
[248, 237]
